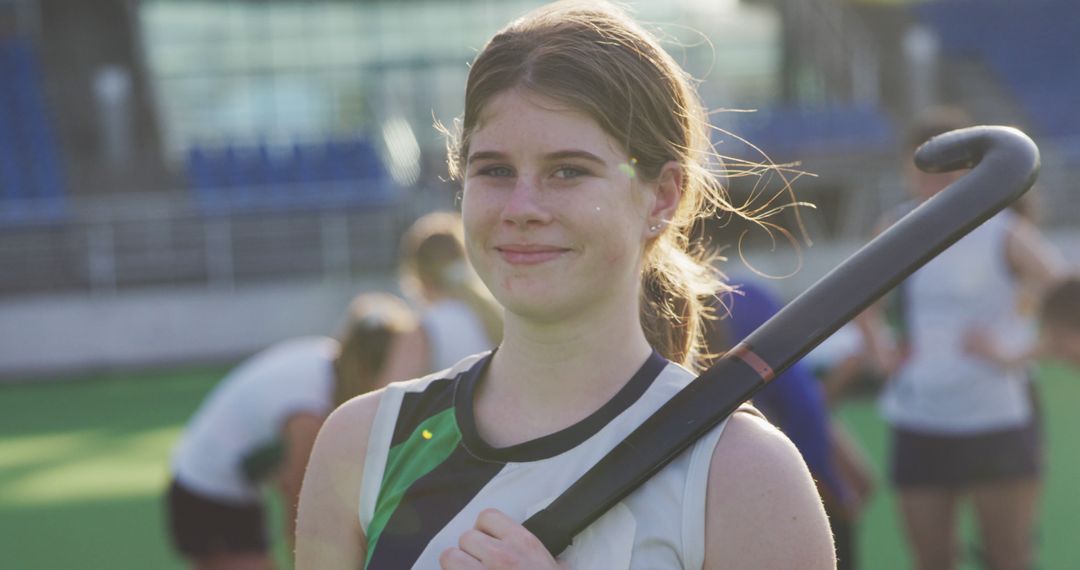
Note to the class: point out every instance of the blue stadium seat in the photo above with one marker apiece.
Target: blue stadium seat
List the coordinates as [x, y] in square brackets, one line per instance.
[331, 174]
[1033, 48]
[786, 133]
[31, 174]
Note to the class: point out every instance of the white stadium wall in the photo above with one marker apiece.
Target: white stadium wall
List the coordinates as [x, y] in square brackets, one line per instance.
[73, 335]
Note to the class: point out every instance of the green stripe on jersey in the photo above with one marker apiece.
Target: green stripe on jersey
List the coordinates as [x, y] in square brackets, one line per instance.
[429, 445]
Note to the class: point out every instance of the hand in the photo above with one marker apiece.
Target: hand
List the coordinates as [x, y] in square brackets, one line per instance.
[977, 342]
[498, 542]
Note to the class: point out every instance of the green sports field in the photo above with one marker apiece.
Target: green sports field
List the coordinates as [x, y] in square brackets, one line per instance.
[83, 466]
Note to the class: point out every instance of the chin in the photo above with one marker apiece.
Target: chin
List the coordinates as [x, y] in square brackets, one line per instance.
[537, 306]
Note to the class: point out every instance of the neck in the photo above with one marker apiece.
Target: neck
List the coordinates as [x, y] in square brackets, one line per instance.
[548, 376]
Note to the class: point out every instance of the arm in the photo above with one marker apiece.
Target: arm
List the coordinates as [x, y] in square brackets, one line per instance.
[1037, 265]
[762, 509]
[794, 402]
[978, 342]
[853, 466]
[328, 533]
[1035, 262]
[884, 353]
[299, 436]
[408, 358]
[878, 346]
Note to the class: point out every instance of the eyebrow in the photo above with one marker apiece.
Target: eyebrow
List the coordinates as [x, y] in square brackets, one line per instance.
[557, 155]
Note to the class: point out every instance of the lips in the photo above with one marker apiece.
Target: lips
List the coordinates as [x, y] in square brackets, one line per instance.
[529, 254]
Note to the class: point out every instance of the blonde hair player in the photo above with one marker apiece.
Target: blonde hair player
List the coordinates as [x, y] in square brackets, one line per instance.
[584, 157]
[458, 317]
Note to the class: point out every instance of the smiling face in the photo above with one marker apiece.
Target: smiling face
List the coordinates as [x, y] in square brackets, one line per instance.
[555, 220]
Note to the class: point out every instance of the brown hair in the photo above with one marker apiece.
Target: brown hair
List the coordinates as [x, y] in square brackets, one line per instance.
[371, 323]
[1061, 304]
[935, 121]
[433, 258]
[597, 60]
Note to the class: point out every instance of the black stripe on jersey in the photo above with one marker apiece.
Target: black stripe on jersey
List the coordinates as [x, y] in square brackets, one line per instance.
[436, 397]
[428, 506]
[562, 440]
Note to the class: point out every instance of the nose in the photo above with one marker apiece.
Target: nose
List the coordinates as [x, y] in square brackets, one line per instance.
[525, 205]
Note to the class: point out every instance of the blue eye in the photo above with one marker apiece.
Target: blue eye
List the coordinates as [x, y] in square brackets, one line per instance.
[497, 171]
[569, 172]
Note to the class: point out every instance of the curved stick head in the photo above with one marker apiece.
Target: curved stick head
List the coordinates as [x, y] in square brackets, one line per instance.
[964, 148]
[1004, 155]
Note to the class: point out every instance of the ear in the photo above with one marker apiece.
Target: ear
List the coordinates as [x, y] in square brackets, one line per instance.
[667, 193]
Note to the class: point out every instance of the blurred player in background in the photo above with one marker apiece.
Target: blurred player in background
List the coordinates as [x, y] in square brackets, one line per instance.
[964, 426]
[257, 427]
[458, 316]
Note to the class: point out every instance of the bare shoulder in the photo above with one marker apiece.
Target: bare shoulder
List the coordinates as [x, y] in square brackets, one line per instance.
[328, 533]
[343, 439]
[751, 446]
[354, 416]
[763, 510]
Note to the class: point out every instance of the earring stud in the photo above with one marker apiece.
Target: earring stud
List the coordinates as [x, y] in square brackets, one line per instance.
[654, 227]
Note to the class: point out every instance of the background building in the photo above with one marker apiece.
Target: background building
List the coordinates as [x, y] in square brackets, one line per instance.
[164, 162]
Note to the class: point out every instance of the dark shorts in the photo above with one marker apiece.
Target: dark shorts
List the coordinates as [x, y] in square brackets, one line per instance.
[933, 460]
[202, 527]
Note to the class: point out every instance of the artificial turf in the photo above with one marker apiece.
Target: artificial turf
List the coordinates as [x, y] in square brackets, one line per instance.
[83, 465]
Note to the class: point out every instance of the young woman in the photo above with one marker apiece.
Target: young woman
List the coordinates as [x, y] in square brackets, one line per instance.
[258, 426]
[458, 317]
[584, 158]
[965, 426]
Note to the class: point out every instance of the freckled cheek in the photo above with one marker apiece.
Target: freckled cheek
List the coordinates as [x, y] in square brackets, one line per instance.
[480, 210]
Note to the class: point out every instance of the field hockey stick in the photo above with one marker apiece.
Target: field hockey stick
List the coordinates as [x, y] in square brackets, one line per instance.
[1005, 163]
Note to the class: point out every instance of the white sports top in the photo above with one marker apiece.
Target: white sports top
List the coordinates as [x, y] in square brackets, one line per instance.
[940, 388]
[247, 410]
[453, 332]
[428, 474]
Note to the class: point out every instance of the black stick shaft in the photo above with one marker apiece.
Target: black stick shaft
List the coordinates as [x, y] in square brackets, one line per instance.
[1005, 163]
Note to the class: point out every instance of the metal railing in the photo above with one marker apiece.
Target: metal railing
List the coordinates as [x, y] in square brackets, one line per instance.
[109, 245]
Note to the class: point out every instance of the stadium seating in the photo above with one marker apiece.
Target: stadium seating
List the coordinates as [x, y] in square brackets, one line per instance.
[1032, 47]
[260, 178]
[790, 133]
[31, 175]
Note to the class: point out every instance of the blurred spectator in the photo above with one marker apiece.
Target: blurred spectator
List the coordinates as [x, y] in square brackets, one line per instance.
[795, 402]
[964, 426]
[458, 316]
[257, 428]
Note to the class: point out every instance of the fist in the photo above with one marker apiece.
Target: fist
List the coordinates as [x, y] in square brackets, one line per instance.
[498, 542]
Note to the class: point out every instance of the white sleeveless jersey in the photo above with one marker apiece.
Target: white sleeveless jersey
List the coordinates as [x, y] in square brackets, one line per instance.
[453, 332]
[428, 475]
[940, 388]
[247, 410]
